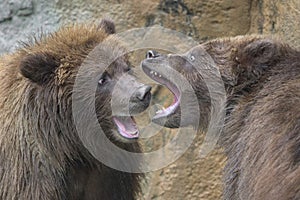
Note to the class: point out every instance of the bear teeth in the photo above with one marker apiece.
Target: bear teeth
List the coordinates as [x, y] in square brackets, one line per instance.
[160, 111]
[153, 73]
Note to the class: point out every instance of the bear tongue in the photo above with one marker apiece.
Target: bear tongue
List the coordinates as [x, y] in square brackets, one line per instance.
[126, 126]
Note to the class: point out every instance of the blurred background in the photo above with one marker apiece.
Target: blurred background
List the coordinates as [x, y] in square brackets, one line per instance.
[189, 177]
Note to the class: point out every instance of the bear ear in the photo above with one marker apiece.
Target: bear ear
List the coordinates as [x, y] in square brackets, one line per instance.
[108, 26]
[262, 51]
[39, 67]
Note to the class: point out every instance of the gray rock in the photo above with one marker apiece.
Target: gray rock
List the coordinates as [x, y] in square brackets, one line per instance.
[5, 13]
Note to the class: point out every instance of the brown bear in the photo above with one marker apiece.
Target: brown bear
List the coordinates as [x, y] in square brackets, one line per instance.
[261, 135]
[41, 154]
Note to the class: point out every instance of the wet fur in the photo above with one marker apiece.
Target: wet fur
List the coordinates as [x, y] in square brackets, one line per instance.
[41, 156]
[261, 137]
[262, 133]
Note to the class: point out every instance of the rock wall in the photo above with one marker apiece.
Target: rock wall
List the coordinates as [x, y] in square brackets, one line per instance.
[202, 20]
[189, 177]
[280, 18]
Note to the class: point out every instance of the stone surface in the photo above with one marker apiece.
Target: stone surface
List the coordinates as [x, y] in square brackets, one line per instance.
[200, 19]
[189, 177]
[280, 18]
[24, 19]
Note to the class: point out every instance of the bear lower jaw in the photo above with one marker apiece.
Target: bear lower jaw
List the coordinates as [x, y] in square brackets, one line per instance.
[165, 112]
[126, 126]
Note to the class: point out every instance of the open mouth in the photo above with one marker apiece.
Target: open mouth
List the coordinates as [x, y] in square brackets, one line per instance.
[126, 126]
[156, 76]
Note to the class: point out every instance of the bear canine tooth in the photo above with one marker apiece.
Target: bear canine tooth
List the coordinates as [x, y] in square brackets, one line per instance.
[159, 111]
[155, 73]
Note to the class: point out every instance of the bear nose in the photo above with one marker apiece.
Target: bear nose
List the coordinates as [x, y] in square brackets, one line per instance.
[152, 54]
[142, 92]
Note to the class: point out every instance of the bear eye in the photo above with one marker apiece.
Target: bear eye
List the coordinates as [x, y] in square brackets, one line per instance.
[191, 58]
[104, 78]
[101, 81]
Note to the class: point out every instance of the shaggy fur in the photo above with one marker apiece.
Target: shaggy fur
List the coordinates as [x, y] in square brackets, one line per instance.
[261, 137]
[41, 155]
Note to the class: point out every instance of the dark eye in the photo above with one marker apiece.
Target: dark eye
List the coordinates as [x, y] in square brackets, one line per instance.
[104, 78]
[191, 58]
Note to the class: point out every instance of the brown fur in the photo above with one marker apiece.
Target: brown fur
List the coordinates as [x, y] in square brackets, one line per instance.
[41, 156]
[262, 133]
